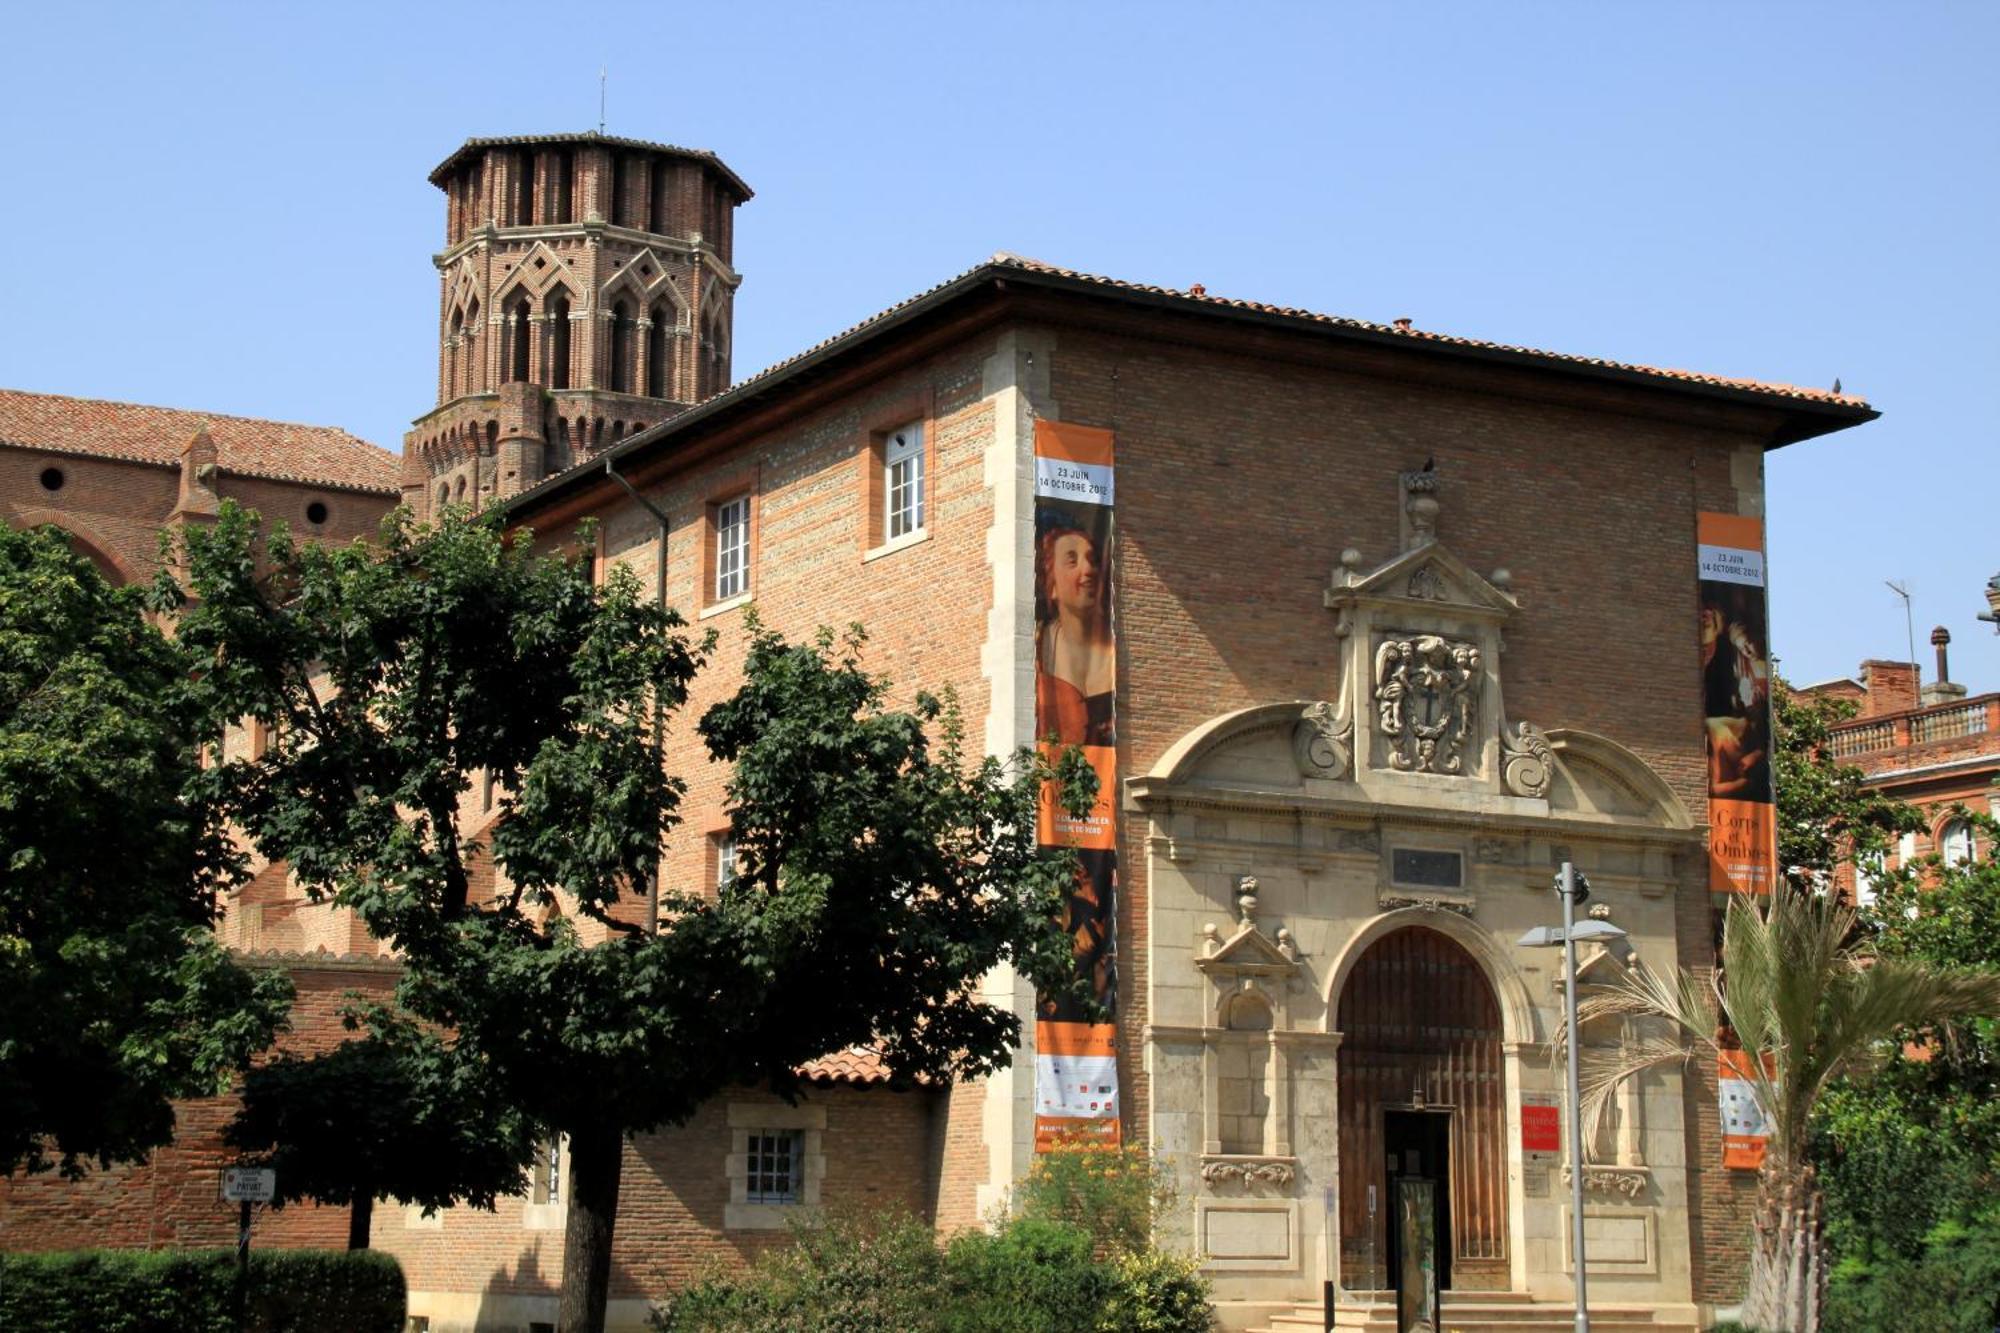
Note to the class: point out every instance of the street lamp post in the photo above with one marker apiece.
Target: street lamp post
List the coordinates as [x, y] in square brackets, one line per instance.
[1573, 888]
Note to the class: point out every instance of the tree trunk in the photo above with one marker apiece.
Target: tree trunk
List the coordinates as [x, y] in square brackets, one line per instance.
[1787, 1258]
[360, 1220]
[596, 1158]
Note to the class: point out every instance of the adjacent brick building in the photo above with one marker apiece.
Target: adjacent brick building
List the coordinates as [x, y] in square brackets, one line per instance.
[1930, 744]
[1402, 620]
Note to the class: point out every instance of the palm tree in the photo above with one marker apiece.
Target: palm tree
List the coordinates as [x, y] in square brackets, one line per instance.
[1810, 1003]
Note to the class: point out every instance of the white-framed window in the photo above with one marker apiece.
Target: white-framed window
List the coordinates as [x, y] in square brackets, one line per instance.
[732, 548]
[1867, 873]
[1956, 843]
[547, 1206]
[546, 1185]
[903, 482]
[725, 859]
[775, 1166]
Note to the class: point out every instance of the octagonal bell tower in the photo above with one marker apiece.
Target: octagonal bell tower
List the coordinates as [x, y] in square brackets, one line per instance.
[585, 292]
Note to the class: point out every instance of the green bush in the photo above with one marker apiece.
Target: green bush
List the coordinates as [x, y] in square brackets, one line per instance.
[1032, 1275]
[843, 1275]
[1954, 1287]
[1115, 1194]
[194, 1291]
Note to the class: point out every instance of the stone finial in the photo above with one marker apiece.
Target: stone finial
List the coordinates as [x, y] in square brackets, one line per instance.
[1600, 912]
[1420, 506]
[1246, 899]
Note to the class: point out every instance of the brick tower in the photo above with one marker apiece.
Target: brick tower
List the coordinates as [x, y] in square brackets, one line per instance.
[585, 293]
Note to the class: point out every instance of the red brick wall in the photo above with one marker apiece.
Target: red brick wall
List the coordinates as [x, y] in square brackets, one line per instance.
[118, 508]
[174, 1200]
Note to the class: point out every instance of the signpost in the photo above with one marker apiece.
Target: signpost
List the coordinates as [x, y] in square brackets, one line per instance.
[245, 1186]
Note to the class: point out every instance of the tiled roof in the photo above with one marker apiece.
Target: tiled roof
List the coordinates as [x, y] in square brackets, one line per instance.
[856, 1066]
[1199, 297]
[245, 446]
[443, 169]
[1814, 411]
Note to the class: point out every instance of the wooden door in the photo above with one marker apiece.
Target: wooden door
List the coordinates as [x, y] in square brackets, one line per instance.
[1421, 1029]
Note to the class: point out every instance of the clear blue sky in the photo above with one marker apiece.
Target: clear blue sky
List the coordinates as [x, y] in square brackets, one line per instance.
[225, 208]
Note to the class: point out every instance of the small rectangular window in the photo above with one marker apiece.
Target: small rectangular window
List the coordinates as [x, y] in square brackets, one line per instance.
[776, 1161]
[547, 1187]
[903, 482]
[732, 548]
[725, 859]
[1425, 868]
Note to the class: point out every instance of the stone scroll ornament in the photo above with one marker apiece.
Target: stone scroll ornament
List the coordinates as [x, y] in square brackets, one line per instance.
[1527, 762]
[1427, 701]
[1323, 742]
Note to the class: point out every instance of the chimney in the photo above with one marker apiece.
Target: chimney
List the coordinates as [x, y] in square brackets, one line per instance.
[1941, 690]
[200, 468]
[1891, 687]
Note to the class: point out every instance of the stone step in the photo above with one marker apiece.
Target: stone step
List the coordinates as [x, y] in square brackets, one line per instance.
[1471, 1312]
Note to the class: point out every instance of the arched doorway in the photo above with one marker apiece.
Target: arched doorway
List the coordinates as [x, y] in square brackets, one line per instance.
[1422, 1095]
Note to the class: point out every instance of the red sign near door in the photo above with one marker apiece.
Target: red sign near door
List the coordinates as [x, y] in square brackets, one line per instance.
[1541, 1129]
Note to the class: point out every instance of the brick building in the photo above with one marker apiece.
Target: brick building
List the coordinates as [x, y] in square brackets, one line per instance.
[1927, 743]
[1401, 621]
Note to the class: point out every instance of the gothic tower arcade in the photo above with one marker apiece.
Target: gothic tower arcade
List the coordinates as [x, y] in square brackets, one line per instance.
[585, 292]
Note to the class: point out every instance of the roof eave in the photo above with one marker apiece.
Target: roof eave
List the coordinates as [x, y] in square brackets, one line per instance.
[1799, 419]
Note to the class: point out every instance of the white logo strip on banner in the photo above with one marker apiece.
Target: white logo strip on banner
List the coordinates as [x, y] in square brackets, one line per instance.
[1060, 479]
[1732, 564]
[1084, 1086]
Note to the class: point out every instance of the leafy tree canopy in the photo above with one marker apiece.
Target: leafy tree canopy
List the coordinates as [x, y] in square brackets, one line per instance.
[885, 872]
[114, 996]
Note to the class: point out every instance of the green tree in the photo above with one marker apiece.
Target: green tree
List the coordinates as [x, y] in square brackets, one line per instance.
[391, 1113]
[884, 872]
[1915, 1151]
[114, 996]
[1812, 1003]
[1805, 990]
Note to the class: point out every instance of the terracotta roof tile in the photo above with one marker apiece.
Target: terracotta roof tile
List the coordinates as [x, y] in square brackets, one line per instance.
[703, 155]
[856, 1066]
[245, 446]
[1199, 298]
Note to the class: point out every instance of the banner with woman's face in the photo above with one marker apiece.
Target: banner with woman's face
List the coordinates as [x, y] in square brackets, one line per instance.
[1076, 687]
[1736, 704]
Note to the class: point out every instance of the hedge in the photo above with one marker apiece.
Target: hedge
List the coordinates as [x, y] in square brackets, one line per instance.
[194, 1291]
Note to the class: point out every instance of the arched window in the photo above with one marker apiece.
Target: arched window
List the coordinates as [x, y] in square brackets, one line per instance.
[474, 378]
[558, 317]
[453, 349]
[656, 349]
[1956, 842]
[519, 326]
[444, 494]
[563, 169]
[523, 211]
[621, 348]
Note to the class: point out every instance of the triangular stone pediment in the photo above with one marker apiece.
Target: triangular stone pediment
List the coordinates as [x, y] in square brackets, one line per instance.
[1249, 952]
[1426, 575]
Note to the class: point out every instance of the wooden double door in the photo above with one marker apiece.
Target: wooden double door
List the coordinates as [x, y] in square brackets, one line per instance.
[1422, 1094]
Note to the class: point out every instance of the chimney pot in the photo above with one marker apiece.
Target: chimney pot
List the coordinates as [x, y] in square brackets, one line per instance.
[1403, 323]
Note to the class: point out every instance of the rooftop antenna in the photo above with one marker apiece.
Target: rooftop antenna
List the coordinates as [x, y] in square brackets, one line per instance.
[601, 76]
[1902, 590]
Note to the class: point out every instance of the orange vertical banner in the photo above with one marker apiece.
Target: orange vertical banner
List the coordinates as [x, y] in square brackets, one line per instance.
[1076, 685]
[1736, 704]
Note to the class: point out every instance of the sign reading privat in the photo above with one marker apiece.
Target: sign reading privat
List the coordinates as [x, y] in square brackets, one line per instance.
[246, 1184]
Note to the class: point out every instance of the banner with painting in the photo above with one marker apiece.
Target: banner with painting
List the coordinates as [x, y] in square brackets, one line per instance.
[1076, 684]
[1736, 704]
[1745, 1131]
